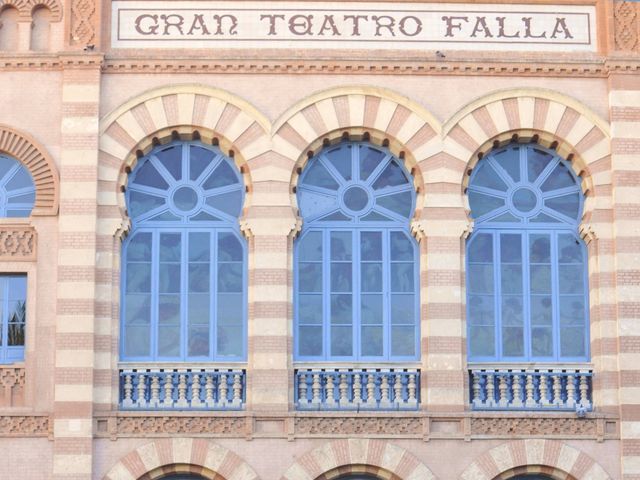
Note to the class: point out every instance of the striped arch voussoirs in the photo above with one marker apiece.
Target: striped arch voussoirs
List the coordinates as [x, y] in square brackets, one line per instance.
[157, 459]
[412, 127]
[550, 457]
[40, 165]
[358, 456]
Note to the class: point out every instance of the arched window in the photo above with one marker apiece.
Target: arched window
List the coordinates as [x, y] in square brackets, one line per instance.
[40, 29]
[9, 29]
[526, 263]
[184, 263]
[356, 261]
[17, 197]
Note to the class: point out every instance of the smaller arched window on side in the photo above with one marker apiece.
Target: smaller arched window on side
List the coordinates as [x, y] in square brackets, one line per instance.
[9, 29]
[41, 29]
[17, 197]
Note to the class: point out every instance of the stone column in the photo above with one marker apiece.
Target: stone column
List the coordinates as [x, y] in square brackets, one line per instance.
[74, 359]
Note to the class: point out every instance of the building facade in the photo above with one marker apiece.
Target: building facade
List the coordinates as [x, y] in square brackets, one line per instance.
[318, 240]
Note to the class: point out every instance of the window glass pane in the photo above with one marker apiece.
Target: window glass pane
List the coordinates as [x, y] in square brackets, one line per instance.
[199, 309]
[509, 159]
[169, 277]
[169, 310]
[402, 277]
[480, 278]
[198, 341]
[27, 198]
[138, 277]
[229, 203]
[481, 341]
[230, 277]
[487, 177]
[571, 279]
[230, 309]
[340, 245]
[401, 247]
[15, 334]
[199, 247]
[318, 176]
[370, 246]
[171, 159]
[199, 277]
[568, 205]
[513, 341]
[137, 341]
[371, 311]
[481, 248]
[369, 160]
[512, 310]
[371, 277]
[138, 309]
[541, 342]
[310, 247]
[229, 248]
[541, 310]
[391, 176]
[21, 179]
[341, 341]
[537, 160]
[169, 341]
[403, 341]
[572, 342]
[310, 309]
[481, 310]
[341, 309]
[572, 311]
[229, 341]
[199, 159]
[510, 248]
[540, 279]
[569, 249]
[558, 178]
[341, 277]
[147, 175]
[539, 249]
[141, 202]
[340, 158]
[400, 203]
[482, 204]
[310, 341]
[310, 277]
[402, 309]
[511, 278]
[170, 247]
[223, 175]
[372, 341]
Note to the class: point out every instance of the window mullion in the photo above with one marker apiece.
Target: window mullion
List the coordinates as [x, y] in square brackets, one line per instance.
[155, 297]
[386, 293]
[356, 294]
[213, 294]
[555, 294]
[184, 288]
[326, 293]
[526, 295]
[5, 319]
[498, 294]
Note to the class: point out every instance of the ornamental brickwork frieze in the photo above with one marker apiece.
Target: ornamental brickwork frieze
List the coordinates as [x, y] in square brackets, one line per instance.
[358, 426]
[627, 25]
[180, 425]
[11, 386]
[84, 22]
[17, 244]
[25, 425]
[534, 426]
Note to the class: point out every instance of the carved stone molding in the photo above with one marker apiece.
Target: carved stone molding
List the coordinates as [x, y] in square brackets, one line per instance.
[25, 425]
[84, 18]
[17, 244]
[627, 25]
[180, 425]
[12, 386]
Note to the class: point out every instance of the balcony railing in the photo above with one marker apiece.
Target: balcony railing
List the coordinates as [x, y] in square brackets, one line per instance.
[531, 389]
[182, 389]
[357, 389]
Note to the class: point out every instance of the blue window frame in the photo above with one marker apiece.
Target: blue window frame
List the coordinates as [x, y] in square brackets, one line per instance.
[527, 284]
[13, 301]
[184, 292]
[356, 263]
[17, 190]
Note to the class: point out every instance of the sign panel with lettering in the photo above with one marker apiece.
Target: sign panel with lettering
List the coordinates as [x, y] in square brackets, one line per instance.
[226, 24]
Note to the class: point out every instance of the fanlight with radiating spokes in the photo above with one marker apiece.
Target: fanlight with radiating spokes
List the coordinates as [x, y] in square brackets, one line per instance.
[357, 183]
[185, 182]
[524, 184]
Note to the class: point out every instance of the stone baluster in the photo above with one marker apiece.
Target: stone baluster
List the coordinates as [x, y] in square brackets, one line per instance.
[316, 389]
[127, 401]
[371, 389]
[195, 391]
[503, 398]
[330, 390]
[182, 391]
[516, 389]
[357, 389]
[384, 389]
[237, 389]
[529, 391]
[154, 399]
[223, 388]
[302, 389]
[142, 387]
[544, 390]
[397, 389]
[208, 391]
[584, 392]
[475, 390]
[571, 391]
[557, 390]
[491, 390]
[168, 390]
[344, 389]
[411, 390]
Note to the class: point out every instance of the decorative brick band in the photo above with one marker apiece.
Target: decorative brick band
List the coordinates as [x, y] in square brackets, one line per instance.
[40, 165]
[349, 456]
[17, 244]
[535, 456]
[181, 455]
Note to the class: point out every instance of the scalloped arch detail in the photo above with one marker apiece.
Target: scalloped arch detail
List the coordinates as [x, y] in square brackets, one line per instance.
[364, 455]
[40, 165]
[26, 7]
[535, 456]
[182, 455]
